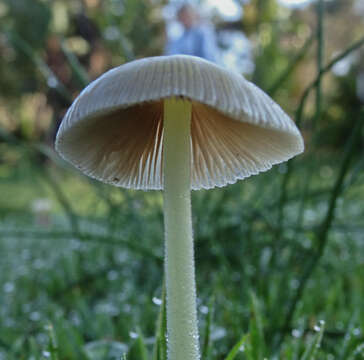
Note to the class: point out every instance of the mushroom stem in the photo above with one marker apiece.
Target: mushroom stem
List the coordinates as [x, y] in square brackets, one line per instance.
[182, 328]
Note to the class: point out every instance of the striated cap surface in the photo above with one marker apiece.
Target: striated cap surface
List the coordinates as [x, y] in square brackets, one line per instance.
[114, 129]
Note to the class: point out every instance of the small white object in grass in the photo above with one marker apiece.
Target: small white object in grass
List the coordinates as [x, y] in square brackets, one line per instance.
[9, 287]
[319, 325]
[133, 335]
[296, 333]
[112, 275]
[204, 309]
[35, 316]
[342, 67]
[356, 331]
[41, 205]
[52, 82]
[41, 208]
[157, 301]
[218, 333]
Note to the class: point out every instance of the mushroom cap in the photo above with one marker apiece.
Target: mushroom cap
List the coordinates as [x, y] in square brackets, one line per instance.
[113, 131]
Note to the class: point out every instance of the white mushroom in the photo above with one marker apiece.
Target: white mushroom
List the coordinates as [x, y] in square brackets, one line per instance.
[176, 123]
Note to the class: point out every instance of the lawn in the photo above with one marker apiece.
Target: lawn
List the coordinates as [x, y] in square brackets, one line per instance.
[82, 270]
[279, 256]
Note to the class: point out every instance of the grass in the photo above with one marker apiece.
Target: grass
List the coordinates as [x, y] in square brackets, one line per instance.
[100, 289]
[280, 256]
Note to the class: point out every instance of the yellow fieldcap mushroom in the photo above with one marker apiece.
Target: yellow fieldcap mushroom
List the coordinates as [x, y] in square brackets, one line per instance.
[176, 123]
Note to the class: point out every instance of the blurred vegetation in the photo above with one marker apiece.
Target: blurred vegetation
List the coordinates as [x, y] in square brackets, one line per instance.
[81, 271]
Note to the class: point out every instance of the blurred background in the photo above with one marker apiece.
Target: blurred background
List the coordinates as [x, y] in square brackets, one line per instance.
[81, 269]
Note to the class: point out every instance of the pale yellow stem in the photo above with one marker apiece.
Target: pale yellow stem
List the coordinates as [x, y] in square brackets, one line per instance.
[183, 342]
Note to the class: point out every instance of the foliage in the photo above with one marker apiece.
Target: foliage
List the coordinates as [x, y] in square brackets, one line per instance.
[82, 273]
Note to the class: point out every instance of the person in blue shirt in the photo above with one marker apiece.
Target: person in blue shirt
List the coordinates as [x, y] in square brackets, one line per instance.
[198, 39]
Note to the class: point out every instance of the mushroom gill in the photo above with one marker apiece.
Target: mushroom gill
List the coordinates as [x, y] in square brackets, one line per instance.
[124, 147]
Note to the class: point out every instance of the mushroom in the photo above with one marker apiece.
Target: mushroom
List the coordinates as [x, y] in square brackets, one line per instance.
[176, 123]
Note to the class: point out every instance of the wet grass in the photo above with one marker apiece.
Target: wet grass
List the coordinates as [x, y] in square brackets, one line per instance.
[280, 256]
[95, 291]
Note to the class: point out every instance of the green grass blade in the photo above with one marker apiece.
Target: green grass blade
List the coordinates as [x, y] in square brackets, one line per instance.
[78, 70]
[52, 343]
[160, 345]
[238, 347]
[299, 114]
[256, 329]
[22, 46]
[311, 351]
[291, 67]
[34, 350]
[138, 350]
[324, 229]
[207, 339]
[358, 353]
[349, 338]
